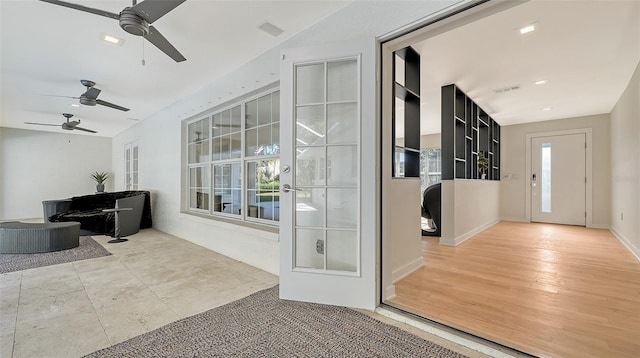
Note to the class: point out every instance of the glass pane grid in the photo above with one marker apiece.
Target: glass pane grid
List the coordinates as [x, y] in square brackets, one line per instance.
[327, 146]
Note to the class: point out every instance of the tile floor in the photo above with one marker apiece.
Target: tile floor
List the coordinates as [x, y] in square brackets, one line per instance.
[73, 309]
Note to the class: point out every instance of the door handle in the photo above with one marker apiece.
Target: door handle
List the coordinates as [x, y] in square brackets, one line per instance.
[287, 188]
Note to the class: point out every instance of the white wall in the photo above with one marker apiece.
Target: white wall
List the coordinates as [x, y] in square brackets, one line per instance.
[625, 166]
[513, 158]
[159, 135]
[468, 207]
[430, 141]
[37, 166]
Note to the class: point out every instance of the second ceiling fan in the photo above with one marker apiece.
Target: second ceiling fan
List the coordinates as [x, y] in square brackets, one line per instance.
[90, 97]
[136, 19]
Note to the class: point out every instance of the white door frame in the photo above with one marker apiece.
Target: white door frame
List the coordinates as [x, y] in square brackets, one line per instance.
[589, 170]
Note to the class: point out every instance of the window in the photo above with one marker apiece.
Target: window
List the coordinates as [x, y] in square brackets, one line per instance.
[131, 166]
[233, 160]
[545, 180]
[430, 167]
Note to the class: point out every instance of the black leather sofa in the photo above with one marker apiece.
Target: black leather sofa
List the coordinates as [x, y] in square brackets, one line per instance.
[88, 211]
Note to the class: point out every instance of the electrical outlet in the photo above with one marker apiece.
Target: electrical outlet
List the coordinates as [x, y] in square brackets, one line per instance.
[320, 246]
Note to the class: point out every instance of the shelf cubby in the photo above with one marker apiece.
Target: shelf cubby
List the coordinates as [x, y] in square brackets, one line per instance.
[406, 89]
[467, 131]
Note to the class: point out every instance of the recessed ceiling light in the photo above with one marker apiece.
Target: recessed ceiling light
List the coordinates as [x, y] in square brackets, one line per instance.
[75, 105]
[540, 82]
[527, 29]
[112, 39]
[546, 109]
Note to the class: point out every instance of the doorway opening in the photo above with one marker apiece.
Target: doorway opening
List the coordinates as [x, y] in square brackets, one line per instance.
[455, 281]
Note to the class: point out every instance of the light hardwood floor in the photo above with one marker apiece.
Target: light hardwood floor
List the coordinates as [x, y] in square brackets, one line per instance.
[548, 290]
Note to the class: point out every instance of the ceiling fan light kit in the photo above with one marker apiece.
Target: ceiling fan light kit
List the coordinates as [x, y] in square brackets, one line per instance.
[136, 19]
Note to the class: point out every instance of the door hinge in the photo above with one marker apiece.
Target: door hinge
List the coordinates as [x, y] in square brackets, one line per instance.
[585, 214]
[585, 179]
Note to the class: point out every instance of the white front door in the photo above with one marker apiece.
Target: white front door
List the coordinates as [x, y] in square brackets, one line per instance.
[558, 179]
[327, 223]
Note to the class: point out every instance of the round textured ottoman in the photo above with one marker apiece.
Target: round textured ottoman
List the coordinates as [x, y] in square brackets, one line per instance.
[28, 238]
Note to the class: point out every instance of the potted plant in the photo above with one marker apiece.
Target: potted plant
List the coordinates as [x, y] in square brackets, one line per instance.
[483, 165]
[100, 178]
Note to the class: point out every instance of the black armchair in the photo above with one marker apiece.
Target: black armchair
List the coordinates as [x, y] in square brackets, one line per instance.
[431, 209]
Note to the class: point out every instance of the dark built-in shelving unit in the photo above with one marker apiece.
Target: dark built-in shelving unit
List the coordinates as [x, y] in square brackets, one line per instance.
[467, 130]
[406, 88]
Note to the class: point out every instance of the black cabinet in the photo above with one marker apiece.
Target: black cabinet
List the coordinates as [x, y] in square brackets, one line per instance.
[469, 134]
[406, 113]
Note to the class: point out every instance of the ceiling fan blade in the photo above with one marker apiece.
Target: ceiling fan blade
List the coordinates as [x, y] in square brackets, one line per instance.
[84, 8]
[84, 129]
[43, 124]
[92, 93]
[107, 104]
[152, 10]
[53, 95]
[156, 38]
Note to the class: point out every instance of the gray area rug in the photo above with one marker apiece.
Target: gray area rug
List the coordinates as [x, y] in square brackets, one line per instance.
[88, 249]
[262, 325]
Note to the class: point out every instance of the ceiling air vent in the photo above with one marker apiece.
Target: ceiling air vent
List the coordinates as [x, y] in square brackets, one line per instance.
[506, 89]
[271, 29]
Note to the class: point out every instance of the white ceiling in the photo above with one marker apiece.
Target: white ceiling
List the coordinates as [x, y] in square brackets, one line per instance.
[47, 49]
[587, 50]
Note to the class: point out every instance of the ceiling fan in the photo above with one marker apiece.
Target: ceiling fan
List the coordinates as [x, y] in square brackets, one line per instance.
[66, 125]
[90, 97]
[136, 19]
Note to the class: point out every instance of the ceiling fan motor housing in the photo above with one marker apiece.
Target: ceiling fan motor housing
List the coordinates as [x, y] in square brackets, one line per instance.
[87, 101]
[132, 23]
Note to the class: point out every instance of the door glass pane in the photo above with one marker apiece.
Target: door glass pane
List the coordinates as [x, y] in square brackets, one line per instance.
[310, 166]
[342, 164]
[342, 250]
[545, 178]
[342, 81]
[342, 208]
[310, 207]
[310, 84]
[327, 165]
[310, 127]
[308, 243]
[342, 123]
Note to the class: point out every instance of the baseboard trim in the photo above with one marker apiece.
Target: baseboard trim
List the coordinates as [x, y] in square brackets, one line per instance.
[466, 236]
[598, 226]
[389, 292]
[514, 219]
[634, 250]
[405, 270]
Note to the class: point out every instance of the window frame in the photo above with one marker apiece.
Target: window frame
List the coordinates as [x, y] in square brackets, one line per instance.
[243, 160]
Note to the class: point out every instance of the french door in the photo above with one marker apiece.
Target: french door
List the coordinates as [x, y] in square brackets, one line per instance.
[558, 179]
[327, 224]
